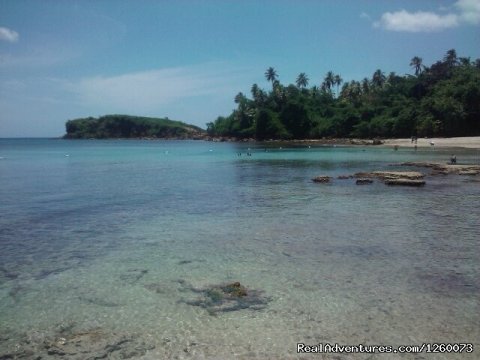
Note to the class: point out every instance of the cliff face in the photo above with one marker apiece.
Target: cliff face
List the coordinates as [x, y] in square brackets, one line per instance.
[125, 126]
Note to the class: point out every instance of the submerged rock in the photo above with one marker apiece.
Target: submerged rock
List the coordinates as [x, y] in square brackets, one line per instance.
[321, 179]
[229, 297]
[363, 181]
[133, 275]
[405, 182]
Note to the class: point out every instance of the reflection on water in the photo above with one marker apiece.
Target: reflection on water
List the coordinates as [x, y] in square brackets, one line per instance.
[112, 250]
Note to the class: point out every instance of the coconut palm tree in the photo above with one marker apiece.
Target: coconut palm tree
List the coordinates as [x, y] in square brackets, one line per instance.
[271, 74]
[450, 58]
[239, 98]
[254, 90]
[329, 80]
[345, 93]
[416, 63]
[302, 80]
[365, 85]
[337, 80]
[378, 78]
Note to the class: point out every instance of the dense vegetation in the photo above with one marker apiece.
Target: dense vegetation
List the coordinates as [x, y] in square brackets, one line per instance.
[440, 100]
[124, 126]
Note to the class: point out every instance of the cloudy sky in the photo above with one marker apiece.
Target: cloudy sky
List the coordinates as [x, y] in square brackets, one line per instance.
[186, 59]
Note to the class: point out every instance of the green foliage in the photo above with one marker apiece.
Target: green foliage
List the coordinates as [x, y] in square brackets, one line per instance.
[268, 126]
[442, 100]
[125, 126]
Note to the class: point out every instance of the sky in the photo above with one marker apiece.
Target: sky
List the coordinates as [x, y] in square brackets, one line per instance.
[187, 59]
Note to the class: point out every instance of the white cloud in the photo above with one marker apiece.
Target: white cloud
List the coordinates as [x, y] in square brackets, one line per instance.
[416, 22]
[8, 35]
[469, 10]
[150, 90]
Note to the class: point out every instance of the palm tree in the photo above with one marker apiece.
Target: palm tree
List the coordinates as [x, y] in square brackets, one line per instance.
[416, 63]
[365, 85]
[278, 91]
[239, 98]
[378, 78]
[392, 78]
[271, 74]
[254, 90]
[450, 58]
[351, 91]
[337, 80]
[345, 93]
[329, 80]
[302, 80]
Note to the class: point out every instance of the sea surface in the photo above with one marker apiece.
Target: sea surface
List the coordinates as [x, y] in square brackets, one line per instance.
[118, 248]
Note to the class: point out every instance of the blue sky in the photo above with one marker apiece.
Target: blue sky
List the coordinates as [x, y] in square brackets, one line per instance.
[187, 59]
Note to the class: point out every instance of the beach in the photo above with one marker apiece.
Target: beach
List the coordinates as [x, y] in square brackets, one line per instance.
[470, 142]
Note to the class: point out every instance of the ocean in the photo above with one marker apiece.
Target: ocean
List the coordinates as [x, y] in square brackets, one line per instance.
[124, 248]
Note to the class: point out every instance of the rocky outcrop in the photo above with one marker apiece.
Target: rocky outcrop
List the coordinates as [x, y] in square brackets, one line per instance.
[321, 179]
[406, 178]
[445, 169]
[391, 175]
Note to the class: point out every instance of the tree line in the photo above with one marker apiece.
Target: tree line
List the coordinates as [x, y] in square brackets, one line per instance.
[440, 100]
[126, 126]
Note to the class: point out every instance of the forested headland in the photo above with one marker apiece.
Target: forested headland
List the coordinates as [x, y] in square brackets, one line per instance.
[126, 126]
[438, 100]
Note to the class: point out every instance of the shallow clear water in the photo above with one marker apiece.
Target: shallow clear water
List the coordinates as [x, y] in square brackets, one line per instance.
[119, 238]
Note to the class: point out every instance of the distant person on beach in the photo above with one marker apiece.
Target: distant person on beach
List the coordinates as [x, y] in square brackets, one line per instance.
[453, 159]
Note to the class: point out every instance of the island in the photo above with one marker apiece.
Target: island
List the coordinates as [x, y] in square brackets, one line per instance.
[131, 127]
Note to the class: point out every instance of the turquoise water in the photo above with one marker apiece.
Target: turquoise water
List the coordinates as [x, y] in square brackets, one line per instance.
[109, 240]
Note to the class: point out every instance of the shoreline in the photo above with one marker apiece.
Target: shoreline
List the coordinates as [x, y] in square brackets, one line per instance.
[469, 142]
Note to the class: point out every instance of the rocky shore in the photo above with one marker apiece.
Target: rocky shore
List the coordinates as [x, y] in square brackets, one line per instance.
[405, 178]
[445, 169]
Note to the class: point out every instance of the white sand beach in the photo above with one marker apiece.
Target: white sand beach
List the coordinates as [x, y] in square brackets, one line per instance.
[472, 142]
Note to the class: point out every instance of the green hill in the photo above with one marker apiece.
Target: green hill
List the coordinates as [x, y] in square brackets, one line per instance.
[130, 127]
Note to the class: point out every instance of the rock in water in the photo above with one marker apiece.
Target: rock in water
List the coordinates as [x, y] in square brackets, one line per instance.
[321, 179]
[404, 182]
[390, 175]
[229, 297]
[363, 181]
